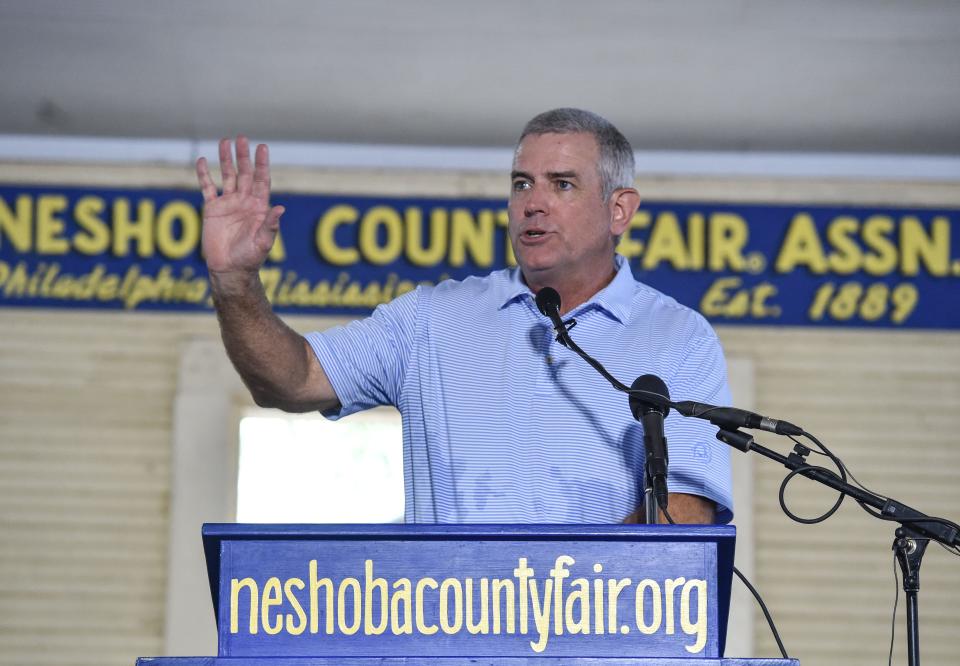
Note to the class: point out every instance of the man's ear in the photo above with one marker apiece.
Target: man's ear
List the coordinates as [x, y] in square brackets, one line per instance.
[623, 204]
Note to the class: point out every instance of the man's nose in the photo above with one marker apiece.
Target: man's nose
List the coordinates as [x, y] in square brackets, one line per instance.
[536, 202]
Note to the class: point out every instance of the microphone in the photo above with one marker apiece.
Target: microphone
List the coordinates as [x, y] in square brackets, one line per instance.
[548, 302]
[651, 415]
[730, 418]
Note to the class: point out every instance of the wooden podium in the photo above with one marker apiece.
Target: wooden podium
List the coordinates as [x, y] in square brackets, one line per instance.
[359, 595]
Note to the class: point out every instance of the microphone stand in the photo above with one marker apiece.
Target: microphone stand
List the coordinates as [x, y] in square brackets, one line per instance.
[650, 505]
[911, 538]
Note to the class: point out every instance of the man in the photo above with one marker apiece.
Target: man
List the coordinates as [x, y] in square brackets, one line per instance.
[501, 423]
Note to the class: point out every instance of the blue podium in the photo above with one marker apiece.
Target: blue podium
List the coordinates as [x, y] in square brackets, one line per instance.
[359, 595]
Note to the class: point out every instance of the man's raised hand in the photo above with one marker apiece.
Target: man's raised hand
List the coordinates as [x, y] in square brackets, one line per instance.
[239, 225]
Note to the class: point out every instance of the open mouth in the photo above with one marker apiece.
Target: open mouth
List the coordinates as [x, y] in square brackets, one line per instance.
[533, 233]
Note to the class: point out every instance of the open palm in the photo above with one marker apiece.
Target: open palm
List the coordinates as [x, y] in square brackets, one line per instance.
[239, 225]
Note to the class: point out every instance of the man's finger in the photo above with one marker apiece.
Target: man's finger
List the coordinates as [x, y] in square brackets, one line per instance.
[244, 167]
[266, 234]
[207, 188]
[261, 173]
[227, 171]
[273, 218]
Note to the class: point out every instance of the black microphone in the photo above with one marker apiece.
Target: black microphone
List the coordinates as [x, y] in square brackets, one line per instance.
[548, 302]
[731, 418]
[651, 415]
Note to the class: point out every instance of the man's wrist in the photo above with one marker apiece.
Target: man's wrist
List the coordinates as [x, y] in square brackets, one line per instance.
[235, 283]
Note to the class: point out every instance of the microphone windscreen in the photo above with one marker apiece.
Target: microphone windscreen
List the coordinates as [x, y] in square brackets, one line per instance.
[548, 300]
[641, 404]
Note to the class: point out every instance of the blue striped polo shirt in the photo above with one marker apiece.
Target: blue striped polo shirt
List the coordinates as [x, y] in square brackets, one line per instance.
[502, 424]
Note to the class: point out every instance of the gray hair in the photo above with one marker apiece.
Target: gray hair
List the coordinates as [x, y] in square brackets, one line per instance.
[616, 156]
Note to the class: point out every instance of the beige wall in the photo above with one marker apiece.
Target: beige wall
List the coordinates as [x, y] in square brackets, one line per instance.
[86, 403]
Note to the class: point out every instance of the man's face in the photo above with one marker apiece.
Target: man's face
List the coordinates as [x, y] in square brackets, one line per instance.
[560, 226]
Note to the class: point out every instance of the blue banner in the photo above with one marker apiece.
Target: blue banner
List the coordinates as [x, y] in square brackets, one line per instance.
[482, 591]
[787, 265]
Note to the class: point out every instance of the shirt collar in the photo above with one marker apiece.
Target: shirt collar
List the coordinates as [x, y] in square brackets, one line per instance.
[614, 299]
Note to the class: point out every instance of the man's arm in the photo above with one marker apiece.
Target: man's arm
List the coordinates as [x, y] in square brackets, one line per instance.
[684, 509]
[239, 228]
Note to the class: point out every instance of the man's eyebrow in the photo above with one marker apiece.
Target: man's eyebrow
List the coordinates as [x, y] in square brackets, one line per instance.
[520, 174]
[553, 175]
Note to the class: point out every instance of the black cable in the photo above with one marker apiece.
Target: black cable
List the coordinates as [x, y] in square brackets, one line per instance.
[896, 598]
[766, 613]
[953, 550]
[844, 471]
[793, 516]
[827, 452]
[756, 595]
[669, 519]
[563, 337]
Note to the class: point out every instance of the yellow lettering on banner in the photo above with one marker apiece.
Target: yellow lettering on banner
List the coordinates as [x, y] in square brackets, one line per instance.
[404, 286]
[696, 243]
[49, 226]
[271, 598]
[277, 251]
[371, 584]
[373, 220]
[235, 587]
[327, 246]
[883, 259]
[94, 237]
[581, 597]
[598, 604]
[315, 586]
[433, 253]
[483, 626]
[523, 573]
[728, 235]
[718, 301]
[558, 573]
[471, 236]
[614, 587]
[630, 247]
[422, 626]
[656, 606]
[699, 627]
[669, 586]
[401, 598]
[503, 220]
[17, 227]
[169, 244]
[445, 623]
[847, 257]
[353, 585]
[801, 247]
[758, 301]
[916, 247]
[666, 244]
[126, 229]
[504, 585]
[301, 625]
[541, 613]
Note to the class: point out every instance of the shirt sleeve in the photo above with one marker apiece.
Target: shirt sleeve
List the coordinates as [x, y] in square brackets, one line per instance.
[367, 359]
[699, 464]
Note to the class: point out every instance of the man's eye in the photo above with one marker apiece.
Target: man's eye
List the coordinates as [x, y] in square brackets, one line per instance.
[564, 185]
[520, 185]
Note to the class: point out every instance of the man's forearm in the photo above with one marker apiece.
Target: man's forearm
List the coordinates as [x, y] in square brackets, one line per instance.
[272, 359]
